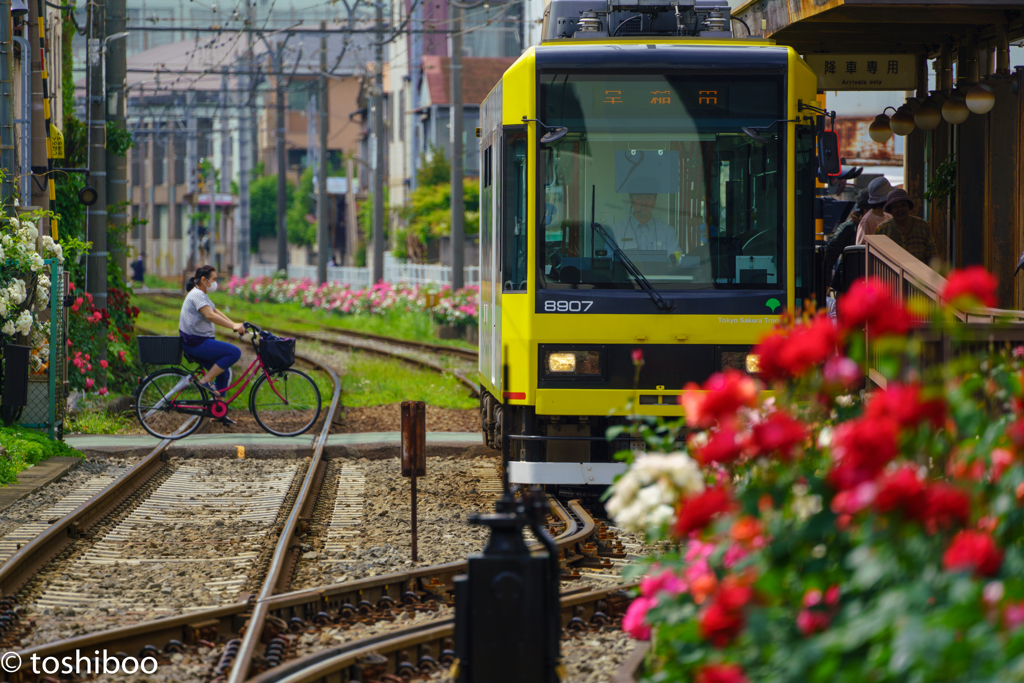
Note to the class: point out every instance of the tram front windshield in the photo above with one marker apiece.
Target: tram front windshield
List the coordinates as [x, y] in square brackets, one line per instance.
[657, 174]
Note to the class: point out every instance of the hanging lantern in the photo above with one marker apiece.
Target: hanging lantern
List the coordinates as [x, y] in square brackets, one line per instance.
[879, 129]
[981, 99]
[928, 116]
[955, 110]
[902, 122]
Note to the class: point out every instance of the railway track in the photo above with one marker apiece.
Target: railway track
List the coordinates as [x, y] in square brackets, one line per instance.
[387, 347]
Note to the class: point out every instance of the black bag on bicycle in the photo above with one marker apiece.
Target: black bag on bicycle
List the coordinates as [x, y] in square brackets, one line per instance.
[278, 353]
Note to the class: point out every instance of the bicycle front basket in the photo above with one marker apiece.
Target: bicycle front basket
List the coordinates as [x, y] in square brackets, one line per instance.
[277, 353]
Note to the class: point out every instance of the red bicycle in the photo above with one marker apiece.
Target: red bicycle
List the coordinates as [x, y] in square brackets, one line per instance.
[170, 403]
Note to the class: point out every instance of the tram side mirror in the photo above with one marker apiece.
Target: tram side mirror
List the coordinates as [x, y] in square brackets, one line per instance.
[554, 134]
[828, 153]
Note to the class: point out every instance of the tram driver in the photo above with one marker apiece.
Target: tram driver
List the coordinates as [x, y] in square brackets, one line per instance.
[641, 231]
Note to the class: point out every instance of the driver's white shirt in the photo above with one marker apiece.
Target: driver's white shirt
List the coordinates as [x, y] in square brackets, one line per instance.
[632, 235]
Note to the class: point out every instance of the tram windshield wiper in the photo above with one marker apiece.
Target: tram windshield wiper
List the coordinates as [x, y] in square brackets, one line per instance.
[631, 268]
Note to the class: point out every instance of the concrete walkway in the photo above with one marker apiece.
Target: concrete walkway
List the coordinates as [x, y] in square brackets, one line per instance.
[95, 441]
[36, 476]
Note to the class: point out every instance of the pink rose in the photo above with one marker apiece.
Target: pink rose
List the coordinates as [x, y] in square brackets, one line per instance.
[88, 383]
[103, 364]
[634, 622]
[664, 582]
[103, 391]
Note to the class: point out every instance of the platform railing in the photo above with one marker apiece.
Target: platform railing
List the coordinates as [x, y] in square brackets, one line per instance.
[917, 286]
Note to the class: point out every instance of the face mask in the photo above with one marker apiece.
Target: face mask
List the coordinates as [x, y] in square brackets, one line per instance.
[212, 287]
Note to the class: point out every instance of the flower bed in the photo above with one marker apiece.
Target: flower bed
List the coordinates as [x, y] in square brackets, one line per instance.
[457, 309]
[844, 536]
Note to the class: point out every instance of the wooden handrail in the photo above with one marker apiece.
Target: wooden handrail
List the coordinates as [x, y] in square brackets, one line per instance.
[913, 272]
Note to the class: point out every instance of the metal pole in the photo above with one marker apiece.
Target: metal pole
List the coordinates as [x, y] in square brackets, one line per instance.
[244, 149]
[192, 164]
[351, 224]
[25, 122]
[457, 201]
[117, 164]
[282, 167]
[38, 183]
[96, 259]
[323, 229]
[378, 157]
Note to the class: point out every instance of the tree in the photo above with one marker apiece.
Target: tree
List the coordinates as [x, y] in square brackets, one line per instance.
[300, 230]
[427, 214]
[263, 208]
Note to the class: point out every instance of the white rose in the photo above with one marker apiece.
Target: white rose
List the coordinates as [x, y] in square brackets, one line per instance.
[663, 514]
[1, 253]
[17, 291]
[37, 263]
[5, 240]
[24, 324]
[15, 223]
[8, 328]
[35, 362]
[3, 304]
[631, 518]
[685, 473]
[42, 297]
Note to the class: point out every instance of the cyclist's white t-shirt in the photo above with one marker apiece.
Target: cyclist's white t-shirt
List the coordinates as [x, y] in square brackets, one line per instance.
[192, 321]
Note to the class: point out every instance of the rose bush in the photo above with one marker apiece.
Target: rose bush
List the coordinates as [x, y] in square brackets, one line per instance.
[25, 287]
[458, 308]
[824, 534]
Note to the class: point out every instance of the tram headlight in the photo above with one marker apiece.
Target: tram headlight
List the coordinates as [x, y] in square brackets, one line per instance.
[753, 363]
[577, 363]
[562, 362]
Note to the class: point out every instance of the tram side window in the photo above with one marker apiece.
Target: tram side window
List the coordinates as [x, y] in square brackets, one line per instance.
[806, 171]
[513, 212]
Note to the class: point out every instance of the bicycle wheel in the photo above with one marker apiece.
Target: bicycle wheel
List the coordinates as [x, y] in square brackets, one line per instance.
[159, 399]
[287, 405]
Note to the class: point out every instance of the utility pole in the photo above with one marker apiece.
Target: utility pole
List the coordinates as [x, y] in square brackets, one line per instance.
[458, 205]
[96, 223]
[323, 232]
[40, 160]
[192, 164]
[244, 148]
[224, 182]
[117, 164]
[282, 166]
[378, 157]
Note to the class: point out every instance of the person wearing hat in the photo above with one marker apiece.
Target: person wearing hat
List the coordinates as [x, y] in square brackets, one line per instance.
[910, 232]
[878, 190]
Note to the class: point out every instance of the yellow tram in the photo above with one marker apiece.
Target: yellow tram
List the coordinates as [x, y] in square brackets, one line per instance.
[647, 182]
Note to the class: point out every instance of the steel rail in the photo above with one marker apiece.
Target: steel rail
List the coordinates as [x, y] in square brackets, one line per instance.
[285, 554]
[468, 354]
[35, 554]
[305, 604]
[331, 665]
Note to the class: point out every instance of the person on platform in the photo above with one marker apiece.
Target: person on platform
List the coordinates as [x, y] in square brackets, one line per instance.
[139, 270]
[908, 231]
[878, 191]
[845, 235]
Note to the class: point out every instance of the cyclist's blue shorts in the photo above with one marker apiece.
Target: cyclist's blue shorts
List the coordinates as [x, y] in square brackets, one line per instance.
[211, 352]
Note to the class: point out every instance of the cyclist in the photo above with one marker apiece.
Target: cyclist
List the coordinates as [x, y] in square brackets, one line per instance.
[196, 328]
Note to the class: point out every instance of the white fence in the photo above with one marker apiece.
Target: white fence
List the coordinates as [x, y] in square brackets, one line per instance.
[413, 273]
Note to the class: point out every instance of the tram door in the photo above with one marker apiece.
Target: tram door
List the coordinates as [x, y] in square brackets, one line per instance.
[490, 277]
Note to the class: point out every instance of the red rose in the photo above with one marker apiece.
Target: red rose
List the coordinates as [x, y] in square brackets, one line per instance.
[793, 352]
[944, 506]
[778, 434]
[638, 356]
[861, 448]
[734, 596]
[724, 447]
[970, 287]
[720, 625]
[869, 303]
[973, 551]
[902, 403]
[901, 489]
[1015, 432]
[696, 512]
[721, 673]
[723, 394]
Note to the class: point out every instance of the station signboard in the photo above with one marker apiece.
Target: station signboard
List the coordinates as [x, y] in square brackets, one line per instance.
[864, 72]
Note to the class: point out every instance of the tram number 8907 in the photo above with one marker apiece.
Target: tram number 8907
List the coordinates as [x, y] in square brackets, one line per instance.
[567, 306]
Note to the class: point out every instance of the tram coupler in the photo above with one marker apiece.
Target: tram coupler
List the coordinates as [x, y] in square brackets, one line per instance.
[507, 616]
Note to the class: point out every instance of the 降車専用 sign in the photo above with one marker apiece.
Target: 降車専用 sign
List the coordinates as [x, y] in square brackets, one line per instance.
[864, 72]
